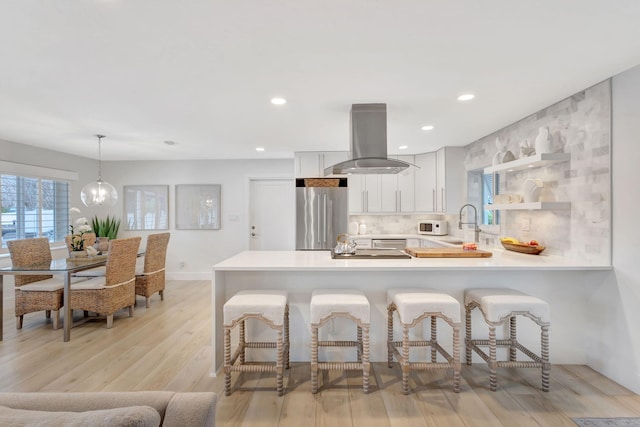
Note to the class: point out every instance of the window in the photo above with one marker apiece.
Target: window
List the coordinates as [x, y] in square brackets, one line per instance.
[33, 207]
[480, 190]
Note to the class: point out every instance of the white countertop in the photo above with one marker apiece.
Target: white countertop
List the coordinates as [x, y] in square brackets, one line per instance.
[322, 261]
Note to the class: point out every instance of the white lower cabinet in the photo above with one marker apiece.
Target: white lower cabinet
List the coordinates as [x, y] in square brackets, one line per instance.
[413, 243]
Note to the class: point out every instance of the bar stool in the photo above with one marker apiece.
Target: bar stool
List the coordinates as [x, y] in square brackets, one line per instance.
[499, 306]
[413, 306]
[271, 308]
[350, 304]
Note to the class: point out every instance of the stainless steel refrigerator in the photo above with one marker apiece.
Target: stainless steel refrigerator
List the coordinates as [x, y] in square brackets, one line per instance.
[322, 212]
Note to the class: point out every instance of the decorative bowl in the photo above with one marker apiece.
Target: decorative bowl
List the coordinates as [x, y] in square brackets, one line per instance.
[522, 248]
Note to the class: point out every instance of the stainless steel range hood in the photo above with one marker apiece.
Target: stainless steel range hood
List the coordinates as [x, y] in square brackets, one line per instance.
[368, 144]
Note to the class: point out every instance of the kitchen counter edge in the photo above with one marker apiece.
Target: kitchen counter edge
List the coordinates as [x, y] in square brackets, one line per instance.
[322, 261]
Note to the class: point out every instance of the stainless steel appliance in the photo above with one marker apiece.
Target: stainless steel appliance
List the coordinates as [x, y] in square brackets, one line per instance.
[321, 212]
[368, 144]
[373, 254]
[433, 227]
[388, 243]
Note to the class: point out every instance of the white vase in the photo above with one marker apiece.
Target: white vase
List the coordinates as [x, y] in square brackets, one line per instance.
[531, 190]
[543, 141]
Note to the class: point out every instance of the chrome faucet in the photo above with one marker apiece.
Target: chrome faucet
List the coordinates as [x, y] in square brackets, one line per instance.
[476, 229]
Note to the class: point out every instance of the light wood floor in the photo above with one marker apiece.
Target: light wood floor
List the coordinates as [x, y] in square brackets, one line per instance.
[167, 347]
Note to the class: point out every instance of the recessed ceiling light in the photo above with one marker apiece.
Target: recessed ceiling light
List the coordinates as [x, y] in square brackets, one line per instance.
[259, 148]
[466, 97]
[170, 142]
[278, 101]
[403, 147]
[427, 127]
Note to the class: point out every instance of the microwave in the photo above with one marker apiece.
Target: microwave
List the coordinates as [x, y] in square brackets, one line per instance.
[433, 227]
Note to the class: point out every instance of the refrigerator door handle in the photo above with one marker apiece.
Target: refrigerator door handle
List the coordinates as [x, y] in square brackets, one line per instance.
[318, 221]
[324, 218]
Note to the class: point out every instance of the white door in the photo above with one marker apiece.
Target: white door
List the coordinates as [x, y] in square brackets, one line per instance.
[272, 220]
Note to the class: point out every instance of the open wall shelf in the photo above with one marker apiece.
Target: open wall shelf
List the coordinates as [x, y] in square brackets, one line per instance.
[528, 206]
[537, 160]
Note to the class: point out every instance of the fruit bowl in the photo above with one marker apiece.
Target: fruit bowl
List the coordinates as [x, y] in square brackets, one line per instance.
[523, 248]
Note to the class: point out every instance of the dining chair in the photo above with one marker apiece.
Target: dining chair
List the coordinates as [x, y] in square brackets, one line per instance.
[151, 278]
[115, 290]
[35, 293]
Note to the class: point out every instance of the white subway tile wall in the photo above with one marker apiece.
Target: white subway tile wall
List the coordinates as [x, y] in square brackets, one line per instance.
[579, 125]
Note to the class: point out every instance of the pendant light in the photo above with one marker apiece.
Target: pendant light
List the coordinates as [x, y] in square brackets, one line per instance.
[99, 193]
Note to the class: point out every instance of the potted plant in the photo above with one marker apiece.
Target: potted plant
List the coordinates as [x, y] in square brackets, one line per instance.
[106, 229]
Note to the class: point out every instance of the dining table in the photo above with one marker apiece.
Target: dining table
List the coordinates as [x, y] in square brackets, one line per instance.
[64, 267]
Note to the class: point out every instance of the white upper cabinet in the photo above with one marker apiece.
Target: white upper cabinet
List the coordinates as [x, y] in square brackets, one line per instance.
[311, 164]
[364, 193]
[397, 190]
[449, 179]
[425, 182]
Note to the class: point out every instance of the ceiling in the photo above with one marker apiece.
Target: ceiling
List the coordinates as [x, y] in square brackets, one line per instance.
[201, 73]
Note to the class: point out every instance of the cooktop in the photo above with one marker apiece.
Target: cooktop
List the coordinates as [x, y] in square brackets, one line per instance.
[373, 254]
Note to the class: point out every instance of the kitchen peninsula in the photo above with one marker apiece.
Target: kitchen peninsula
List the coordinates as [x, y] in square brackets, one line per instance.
[565, 284]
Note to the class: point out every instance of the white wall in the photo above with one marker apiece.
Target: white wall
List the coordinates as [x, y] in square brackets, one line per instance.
[615, 332]
[199, 250]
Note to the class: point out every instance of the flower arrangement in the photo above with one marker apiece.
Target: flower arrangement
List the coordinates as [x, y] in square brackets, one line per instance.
[78, 229]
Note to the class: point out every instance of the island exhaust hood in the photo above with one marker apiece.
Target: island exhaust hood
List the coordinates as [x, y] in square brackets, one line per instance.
[368, 144]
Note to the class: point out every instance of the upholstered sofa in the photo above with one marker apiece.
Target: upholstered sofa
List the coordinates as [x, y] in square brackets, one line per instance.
[135, 409]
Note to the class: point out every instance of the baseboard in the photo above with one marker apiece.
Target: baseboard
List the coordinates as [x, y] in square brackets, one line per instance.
[184, 275]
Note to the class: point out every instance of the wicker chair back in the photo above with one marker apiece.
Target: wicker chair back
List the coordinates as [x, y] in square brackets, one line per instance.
[30, 253]
[121, 263]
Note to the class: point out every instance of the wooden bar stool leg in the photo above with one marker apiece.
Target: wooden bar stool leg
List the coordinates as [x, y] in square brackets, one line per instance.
[280, 363]
[242, 342]
[389, 336]
[468, 334]
[314, 359]
[544, 351]
[404, 364]
[365, 359]
[513, 339]
[493, 364]
[286, 337]
[227, 361]
[359, 348]
[456, 359]
[434, 339]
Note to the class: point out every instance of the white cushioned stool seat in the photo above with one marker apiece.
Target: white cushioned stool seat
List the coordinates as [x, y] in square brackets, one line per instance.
[327, 304]
[499, 306]
[269, 307]
[414, 305]
[267, 303]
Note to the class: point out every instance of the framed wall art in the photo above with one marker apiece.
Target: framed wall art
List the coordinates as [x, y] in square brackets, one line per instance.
[146, 207]
[198, 206]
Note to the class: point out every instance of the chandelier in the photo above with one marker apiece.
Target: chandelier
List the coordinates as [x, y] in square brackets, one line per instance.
[99, 193]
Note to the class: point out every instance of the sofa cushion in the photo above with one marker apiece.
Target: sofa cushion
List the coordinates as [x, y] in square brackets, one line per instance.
[130, 416]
